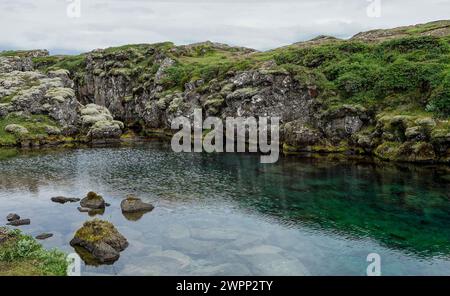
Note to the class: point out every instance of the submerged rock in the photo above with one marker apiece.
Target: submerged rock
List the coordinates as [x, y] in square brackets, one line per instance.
[93, 201]
[101, 239]
[20, 222]
[44, 236]
[12, 217]
[63, 200]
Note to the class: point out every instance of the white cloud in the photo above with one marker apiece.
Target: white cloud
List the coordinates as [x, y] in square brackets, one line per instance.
[253, 23]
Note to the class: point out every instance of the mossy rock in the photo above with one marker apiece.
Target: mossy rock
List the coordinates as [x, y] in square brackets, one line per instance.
[101, 240]
[407, 152]
[93, 201]
[387, 150]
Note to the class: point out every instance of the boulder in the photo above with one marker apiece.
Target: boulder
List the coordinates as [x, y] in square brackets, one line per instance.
[99, 122]
[133, 204]
[101, 240]
[93, 201]
[106, 130]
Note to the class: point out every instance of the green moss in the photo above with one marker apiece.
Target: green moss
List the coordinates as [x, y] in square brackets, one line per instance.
[387, 150]
[95, 230]
[21, 255]
[35, 124]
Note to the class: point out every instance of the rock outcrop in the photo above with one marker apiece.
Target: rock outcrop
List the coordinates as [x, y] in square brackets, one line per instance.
[331, 95]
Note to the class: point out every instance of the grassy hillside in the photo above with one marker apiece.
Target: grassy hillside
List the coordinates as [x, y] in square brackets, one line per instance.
[405, 69]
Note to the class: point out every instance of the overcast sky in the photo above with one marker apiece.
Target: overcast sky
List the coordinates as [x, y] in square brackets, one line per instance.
[260, 24]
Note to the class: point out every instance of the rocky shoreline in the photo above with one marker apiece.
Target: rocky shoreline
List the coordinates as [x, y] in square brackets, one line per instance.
[327, 99]
[97, 241]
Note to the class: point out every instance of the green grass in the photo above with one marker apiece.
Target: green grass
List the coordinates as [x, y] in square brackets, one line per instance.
[34, 123]
[21, 255]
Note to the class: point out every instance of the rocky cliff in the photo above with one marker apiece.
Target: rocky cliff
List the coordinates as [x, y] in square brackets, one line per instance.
[384, 92]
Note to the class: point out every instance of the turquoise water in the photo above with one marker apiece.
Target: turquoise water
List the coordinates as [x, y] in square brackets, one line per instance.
[227, 214]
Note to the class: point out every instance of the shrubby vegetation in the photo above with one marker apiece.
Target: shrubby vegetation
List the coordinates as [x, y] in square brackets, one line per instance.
[21, 255]
[412, 71]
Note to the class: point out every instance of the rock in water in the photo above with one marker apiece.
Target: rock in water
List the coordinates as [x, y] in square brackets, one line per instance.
[101, 239]
[63, 200]
[19, 222]
[44, 236]
[93, 201]
[12, 217]
[132, 204]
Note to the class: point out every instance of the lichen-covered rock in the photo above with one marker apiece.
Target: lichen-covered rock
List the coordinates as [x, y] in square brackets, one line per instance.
[15, 63]
[106, 130]
[101, 239]
[93, 201]
[35, 93]
[99, 122]
[16, 129]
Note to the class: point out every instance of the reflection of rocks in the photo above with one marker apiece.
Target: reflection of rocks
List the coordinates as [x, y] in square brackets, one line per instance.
[134, 208]
[93, 201]
[83, 210]
[133, 216]
[12, 217]
[19, 222]
[95, 212]
[44, 236]
[91, 212]
[63, 200]
[101, 239]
